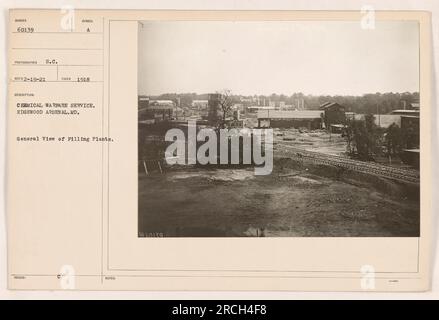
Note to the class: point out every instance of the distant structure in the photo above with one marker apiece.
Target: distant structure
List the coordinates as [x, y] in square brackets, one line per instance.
[334, 116]
[237, 115]
[299, 104]
[415, 105]
[255, 109]
[280, 105]
[214, 107]
[310, 119]
[410, 128]
[248, 100]
[410, 105]
[155, 110]
[142, 108]
[143, 102]
[411, 157]
[200, 104]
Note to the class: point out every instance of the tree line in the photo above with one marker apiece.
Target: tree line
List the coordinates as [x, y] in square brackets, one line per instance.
[374, 103]
[365, 140]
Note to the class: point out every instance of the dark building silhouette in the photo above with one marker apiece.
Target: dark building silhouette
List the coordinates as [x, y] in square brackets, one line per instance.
[214, 107]
[334, 114]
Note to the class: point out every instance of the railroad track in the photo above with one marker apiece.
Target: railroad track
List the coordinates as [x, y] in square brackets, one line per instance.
[401, 174]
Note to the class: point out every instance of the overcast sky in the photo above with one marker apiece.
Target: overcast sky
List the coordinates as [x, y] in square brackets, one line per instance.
[278, 57]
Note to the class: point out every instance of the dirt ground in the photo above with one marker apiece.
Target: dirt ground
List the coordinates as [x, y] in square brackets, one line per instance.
[293, 202]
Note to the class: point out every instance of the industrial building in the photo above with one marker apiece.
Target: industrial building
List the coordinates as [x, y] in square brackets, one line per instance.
[310, 119]
[411, 157]
[143, 102]
[200, 104]
[410, 127]
[334, 115]
[157, 110]
[331, 116]
[214, 107]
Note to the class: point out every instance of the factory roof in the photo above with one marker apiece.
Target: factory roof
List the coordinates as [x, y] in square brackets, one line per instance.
[327, 105]
[277, 114]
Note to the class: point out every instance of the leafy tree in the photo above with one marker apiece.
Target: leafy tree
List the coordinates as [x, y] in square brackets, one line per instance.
[393, 140]
[225, 105]
[362, 137]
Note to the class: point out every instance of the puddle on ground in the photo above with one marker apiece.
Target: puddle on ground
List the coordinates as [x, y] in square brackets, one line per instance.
[307, 180]
[216, 175]
[184, 175]
[232, 175]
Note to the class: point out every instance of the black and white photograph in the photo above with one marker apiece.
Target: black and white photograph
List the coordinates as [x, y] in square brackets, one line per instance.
[254, 152]
[278, 129]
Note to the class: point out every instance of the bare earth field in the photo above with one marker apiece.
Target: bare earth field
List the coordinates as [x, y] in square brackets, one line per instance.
[293, 201]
